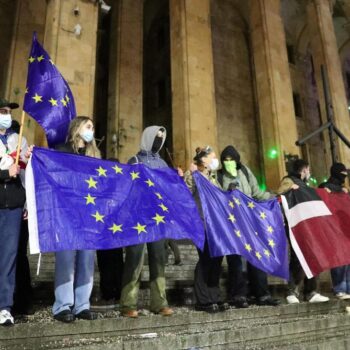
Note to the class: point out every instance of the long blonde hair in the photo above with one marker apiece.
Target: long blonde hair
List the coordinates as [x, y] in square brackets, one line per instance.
[74, 137]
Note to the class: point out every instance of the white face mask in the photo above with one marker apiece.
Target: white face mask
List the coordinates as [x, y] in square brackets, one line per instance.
[214, 164]
[87, 135]
[5, 121]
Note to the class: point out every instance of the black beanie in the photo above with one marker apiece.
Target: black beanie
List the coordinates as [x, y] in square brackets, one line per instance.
[337, 169]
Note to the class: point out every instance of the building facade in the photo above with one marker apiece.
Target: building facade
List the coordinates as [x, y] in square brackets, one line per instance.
[217, 72]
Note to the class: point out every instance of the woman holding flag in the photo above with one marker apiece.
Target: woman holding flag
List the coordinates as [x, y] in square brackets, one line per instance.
[208, 269]
[74, 269]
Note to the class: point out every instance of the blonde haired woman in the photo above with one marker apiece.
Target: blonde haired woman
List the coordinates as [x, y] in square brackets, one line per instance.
[74, 269]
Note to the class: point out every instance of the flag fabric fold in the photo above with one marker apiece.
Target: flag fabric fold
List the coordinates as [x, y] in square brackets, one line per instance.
[48, 98]
[318, 228]
[79, 202]
[237, 224]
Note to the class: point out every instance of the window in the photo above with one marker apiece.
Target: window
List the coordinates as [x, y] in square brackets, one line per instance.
[297, 105]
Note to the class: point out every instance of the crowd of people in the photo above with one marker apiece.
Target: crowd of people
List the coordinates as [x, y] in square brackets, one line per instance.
[119, 277]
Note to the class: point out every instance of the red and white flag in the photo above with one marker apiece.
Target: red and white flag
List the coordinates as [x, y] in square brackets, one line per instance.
[319, 228]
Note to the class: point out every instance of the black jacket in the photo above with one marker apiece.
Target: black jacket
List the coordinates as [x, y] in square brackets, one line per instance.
[12, 193]
[333, 184]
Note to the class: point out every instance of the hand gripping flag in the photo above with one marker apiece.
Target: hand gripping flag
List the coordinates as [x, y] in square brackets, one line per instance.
[77, 202]
[48, 98]
[319, 228]
[237, 224]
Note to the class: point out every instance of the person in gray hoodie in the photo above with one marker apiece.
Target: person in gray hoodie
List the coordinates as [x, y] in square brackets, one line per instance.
[152, 141]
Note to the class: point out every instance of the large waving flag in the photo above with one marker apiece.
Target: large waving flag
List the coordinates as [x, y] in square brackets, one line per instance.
[237, 224]
[48, 98]
[77, 202]
[319, 225]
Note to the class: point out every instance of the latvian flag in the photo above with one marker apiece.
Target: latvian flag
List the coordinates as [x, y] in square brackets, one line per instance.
[319, 228]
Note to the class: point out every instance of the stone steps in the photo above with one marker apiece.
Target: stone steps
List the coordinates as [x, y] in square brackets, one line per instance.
[303, 326]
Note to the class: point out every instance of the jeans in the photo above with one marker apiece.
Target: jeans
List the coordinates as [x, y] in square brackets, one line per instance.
[74, 274]
[132, 275]
[341, 279]
[10, 225]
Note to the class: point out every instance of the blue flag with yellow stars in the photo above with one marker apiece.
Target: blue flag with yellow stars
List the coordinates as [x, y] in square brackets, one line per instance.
[48, 98]
[77, 202]
[237, 224]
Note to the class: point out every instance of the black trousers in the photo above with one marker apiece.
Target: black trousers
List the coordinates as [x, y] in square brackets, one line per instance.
[207, 277]
[170, 244]
[238, 282]
[23, 298]
[297, 276]
[110, 264]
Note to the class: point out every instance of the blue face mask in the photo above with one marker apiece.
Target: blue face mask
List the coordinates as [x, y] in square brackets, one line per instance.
[87, 135]
[5, 121]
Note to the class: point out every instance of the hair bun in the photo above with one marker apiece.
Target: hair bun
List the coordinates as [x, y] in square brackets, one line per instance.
[198, 150]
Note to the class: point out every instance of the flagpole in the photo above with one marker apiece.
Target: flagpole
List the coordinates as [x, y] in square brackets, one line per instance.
[20, 137]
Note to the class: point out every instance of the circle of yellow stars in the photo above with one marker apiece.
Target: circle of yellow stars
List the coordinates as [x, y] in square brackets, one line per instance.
[101, 172]
[235, 203]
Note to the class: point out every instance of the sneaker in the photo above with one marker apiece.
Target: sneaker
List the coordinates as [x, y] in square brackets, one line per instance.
[6, 318]
[342, 296]
[292, 299]
[318, 298]
[65, 316]
[104, 305]
[87, 315]
[267, 300]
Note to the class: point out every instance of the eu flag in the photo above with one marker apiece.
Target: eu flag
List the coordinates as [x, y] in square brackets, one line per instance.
[237, 224]
[77, 202]
[48, 98]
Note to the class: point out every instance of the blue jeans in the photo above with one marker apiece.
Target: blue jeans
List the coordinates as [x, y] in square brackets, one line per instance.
[341, 279]
[10, 226]
[74, 275]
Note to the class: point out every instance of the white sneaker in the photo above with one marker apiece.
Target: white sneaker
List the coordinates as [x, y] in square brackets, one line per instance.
[292, 299]
[318, 298]
[342, 296]
[6, 318]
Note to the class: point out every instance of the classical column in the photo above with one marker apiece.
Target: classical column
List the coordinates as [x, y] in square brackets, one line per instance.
[192, 78]
[125, 80]
[30, 16]
[73, 54]
[278, 129]
[325, 52]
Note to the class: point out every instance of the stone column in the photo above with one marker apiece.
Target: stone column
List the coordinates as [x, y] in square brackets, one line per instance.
[325, 52]
[192, 75]
[278, 129]
[74, 55]
[125, 80]
[30, 16]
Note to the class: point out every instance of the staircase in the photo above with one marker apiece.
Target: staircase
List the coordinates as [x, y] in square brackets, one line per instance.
[302, 326]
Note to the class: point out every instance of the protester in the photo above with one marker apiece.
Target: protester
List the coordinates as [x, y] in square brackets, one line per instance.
[340, 275]
[12, 200]
[298, 178]
[152, 141]
[74, 269]
[208, 270]
[23, 297]
[235, 175]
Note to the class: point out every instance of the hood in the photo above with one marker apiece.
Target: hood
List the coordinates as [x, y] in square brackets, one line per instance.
[230, 151]
[149, 135]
